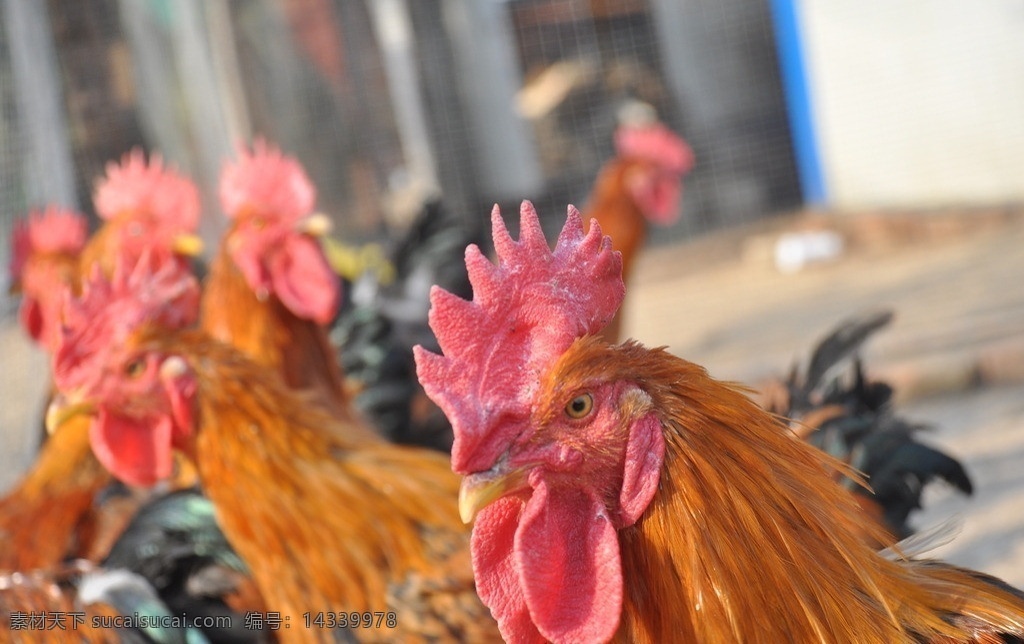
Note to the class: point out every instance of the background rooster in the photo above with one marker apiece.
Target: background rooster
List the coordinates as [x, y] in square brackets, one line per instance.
[835, 407]
[44, 263]
[621, 492]
[642, 183]
[147, 208]
[323, 521]
[270, 291]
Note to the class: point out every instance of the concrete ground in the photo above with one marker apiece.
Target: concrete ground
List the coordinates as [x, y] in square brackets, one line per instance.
[955, 352]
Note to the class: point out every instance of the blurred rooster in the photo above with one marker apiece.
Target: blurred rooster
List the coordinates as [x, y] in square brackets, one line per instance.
[641, 183]
[146, 208]
[853, 420]
[270, 291]
[621, 492]
[376, 335]
[324, 521]
[44, 264]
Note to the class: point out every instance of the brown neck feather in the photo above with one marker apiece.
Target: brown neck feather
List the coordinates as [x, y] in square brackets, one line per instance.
[750, 539]
[612, 205]
[270, 334]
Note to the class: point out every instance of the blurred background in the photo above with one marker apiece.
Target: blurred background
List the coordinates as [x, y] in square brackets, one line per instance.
[850, 156]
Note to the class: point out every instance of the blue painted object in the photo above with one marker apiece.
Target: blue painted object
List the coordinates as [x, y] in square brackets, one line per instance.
[798, 100]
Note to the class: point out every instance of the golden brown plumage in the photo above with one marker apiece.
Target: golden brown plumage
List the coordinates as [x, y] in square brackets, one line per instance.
[146, 208]
[747, 523]
[55, 498]
[612, 205]
[326, 524]
[271, 334]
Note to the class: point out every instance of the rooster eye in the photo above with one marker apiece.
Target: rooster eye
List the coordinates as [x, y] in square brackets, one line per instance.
[580, 406]
[135, 368]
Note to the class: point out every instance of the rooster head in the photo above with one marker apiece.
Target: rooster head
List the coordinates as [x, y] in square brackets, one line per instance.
[141, 400]
[662, 159]
[551, 473]
[270, 198]
[43, 260]
[145, 204]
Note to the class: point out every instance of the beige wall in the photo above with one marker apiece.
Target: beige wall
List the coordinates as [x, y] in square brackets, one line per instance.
[918, 102]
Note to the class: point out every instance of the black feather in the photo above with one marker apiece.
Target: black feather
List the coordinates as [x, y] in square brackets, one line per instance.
[846, 340]
[376, 334]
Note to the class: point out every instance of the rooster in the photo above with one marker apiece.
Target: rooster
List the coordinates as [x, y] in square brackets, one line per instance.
[853, 420]
[146, 208]
[44, 263]
[326, 517]
[60, 499]
[621, 492]
[45, 258]
[641, 183]
[270, 291]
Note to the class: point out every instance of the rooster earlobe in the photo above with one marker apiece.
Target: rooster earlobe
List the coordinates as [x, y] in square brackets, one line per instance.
[645, 453]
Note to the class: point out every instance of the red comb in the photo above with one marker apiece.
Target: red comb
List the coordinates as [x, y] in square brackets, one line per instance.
[525, 312]
[157, 289]
[266, 183]
[148, 190]
[657, 144]
[50, 231]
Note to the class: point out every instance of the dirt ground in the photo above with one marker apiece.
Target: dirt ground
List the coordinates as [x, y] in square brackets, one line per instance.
[955, 352]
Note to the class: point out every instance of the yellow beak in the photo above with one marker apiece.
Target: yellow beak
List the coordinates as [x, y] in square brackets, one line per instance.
[317, 225]
[64, 408]
[188, 245]
[483, 488]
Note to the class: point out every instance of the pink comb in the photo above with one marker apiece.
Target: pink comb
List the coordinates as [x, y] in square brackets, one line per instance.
[50, 231]
[266, 183]
[657, 144]
[525, 312]
[156, 289]
[150, 191]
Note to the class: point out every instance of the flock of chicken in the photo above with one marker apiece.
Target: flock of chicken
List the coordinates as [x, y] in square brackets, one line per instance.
[210, 473]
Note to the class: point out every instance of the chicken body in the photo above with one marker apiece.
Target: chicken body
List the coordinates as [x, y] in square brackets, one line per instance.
[146, 208]
[54, 498]
[270, 291]
[272, 335]
[642, 183]
[621, 493]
